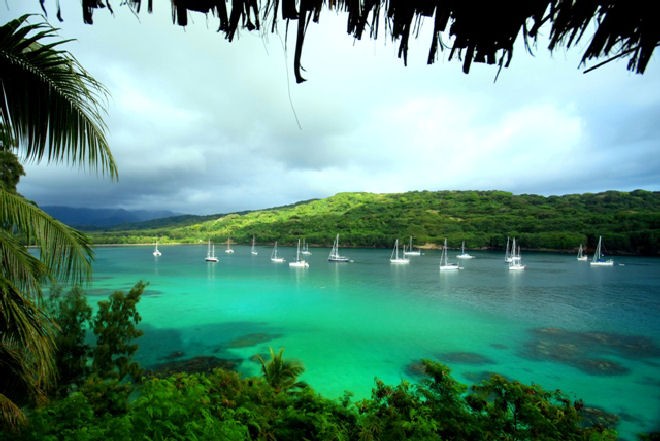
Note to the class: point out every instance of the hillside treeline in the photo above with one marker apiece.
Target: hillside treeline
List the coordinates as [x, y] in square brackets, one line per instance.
[628, 221]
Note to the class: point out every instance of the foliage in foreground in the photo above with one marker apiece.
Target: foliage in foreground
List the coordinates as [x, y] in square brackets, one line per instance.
[51, 110]
[108, 397]
[628, 221]
[222, 405]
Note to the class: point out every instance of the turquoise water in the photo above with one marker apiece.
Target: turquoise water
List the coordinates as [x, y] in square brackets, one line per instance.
[594, 333]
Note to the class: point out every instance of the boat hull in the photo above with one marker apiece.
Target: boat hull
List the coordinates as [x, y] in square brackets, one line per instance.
[449, 267]
[338, 259]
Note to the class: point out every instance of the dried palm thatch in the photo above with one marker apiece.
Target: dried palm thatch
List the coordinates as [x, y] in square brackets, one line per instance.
[478, 31]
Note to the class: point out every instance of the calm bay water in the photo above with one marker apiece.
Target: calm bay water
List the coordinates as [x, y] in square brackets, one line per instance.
[594, 333]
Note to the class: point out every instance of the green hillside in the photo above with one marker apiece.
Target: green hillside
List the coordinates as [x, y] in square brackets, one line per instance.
[628, 221]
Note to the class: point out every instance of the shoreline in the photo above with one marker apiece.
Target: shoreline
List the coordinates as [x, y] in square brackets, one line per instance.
[425, 247]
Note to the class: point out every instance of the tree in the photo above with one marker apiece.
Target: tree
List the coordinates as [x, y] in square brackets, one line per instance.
[72, 314]
[281, 374]
[11, 169]
[115, 328]
[50, 109]
[50, 105]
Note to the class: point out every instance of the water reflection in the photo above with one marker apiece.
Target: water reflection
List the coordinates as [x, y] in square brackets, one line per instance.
[399, 274]
[299, 274]
[156, 267]
[334, 271]
[210, 270]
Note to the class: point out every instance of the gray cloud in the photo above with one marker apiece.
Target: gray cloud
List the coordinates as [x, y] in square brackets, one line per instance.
[199, 125]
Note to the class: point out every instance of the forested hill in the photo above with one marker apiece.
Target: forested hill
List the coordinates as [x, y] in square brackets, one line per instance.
[628, 221]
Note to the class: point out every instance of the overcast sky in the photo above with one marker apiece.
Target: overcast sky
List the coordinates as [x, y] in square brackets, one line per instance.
[199, 125]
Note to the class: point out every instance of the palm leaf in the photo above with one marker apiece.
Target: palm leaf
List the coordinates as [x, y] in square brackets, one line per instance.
[65, 253]
[16, 378]
[25, 327]
[48, 101]
[281, 374]
[10, 414]
[20, 266]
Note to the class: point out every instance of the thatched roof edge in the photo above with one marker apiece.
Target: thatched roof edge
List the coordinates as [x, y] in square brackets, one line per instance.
[479, 31]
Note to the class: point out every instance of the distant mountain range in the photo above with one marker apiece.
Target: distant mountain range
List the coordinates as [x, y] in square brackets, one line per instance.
[90, 218]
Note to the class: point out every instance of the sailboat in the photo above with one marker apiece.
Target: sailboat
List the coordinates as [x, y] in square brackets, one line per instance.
[229, 250]
[334, 255]
[394, 257]
[515, 263]
[305, 249]
[299, 262]
[507, 253]
[410, 251]
[444, 264]
[210, 253]
[581, 256]
[253, 250]
[463, 254]
[156, 252]
[598, 259]
[274, 257]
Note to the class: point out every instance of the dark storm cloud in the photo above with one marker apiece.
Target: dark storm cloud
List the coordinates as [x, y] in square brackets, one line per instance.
[199, 125]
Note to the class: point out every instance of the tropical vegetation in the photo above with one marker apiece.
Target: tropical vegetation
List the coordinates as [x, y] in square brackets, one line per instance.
[50, 110]
[67, 369]
[111, 398]
[628, 221]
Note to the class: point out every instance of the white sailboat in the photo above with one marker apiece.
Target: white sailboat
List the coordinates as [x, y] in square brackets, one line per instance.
[515, 264]
[507, 253]
[299, 262]
[598, 259]
[334, 255]
[210, 253]
[581, 256]
[253, 250]
[463, 254]
[305, 249]
[156, 251]
[394, 257]
[229, 250]
[444, 264]
[274, 257]
[410, 251]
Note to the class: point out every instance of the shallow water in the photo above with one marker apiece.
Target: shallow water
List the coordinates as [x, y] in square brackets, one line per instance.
[594, 332]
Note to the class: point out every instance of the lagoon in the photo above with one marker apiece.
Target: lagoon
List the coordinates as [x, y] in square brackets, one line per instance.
[593, 332]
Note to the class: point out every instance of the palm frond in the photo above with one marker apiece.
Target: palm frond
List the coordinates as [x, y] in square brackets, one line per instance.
[281, 374]
[52, 106]
[20, 266]
[65, 253]
[10, 414]
[16, 378]
[22, 322]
